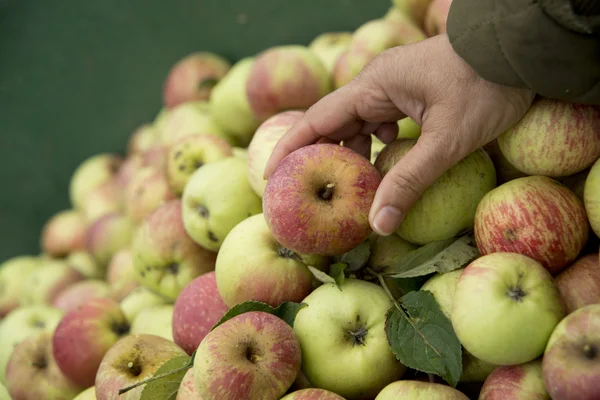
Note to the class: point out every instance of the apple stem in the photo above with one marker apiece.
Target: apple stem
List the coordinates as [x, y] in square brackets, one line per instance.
[155, 377]
[327, 193]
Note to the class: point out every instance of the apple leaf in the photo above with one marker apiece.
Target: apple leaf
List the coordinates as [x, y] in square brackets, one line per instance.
[320, 275]
[167, 379]
[422, 337]
[356, 258]
[336, 271]
[407, 285]
[286, 311]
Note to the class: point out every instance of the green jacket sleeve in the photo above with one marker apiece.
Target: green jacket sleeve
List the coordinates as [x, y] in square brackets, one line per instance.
[549, 46]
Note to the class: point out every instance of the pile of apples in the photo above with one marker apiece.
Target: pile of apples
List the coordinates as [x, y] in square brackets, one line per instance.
[162, 242]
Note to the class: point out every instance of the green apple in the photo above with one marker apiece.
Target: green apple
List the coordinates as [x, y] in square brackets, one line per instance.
[217, 197]
[329, 46]
[140, 299]
[4, 393]
[87, 394]
[155, 320]
[190, 118]
[312, 394]
[505, 307]
[240, 152]
[91, 173]
[591, 197]
[43, 284]
[417, 390]
[142, 139]
[387, 249]
[408, 129]
[343, 339]
[376, 147]
[12, 272]
[83, 262]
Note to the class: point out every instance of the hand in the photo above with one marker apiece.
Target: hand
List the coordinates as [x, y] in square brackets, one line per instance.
[457, 110]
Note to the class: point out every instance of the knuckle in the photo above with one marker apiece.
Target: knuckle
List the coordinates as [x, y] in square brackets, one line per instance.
[405, 184]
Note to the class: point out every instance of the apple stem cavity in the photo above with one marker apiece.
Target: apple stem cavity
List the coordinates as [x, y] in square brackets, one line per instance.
[516, 293]
[203, 211]
[359, 336]
[134, 368]
[589, 351]
[198, 164]
[40, 363]
[173, 268]
[120, 329]
[326, 193]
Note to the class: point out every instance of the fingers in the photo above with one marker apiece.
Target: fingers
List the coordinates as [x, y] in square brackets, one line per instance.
[360, 144]
[387, 132]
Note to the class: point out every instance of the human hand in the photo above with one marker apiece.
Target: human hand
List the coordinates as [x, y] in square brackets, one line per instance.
[457, 110]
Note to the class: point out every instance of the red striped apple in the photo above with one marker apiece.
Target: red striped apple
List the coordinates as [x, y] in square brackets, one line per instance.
[505, 171]
[312, 394]
[12, 272]
[516, 382]
[417, 390]
[64, 233]
[147, 191]
[579, 284]
[188, 390]
[591, 197]
[91, 173]
[45, 282]
[108, 235]
[121, 275]
[329, 45]
[81, 292]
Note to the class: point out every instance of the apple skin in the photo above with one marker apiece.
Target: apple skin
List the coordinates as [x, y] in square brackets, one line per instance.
[121, 275]
[154, 320]
[413, 9]
[447, 208]
[45, 282]
[155, 156]
[87, 394]
[12, 272]
[591, 197]
[579, 284]
[327, 346]
[511, 288]
[128, 170]
[80, 292]
[142, 139]
[108, 235]
[187, 389]
[191, 118]
[190, 153]
[132, 359]
[252, 265]
[253, 355]
[505, 171]
[312, 394]
[329, 46]
[139, 299]
[64, 233]
[148, 190]
[92, 172]
[436, 16]
[286, 77]
[193, 77]
[216, 198]
[32, 372]
[386, 249]
[417, 390]
[84, 263]
[165, 258]
[263, 143]
[570, 365]
[198, 308]
[318, 199]
[535, 216]
[103, 199]
[83, 337]
[408, 129]
[518, 382]
[4, 393]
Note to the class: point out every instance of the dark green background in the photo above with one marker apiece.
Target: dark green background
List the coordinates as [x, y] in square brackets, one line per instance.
[77, 77]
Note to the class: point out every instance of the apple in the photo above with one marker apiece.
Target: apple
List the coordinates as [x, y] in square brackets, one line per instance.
[591, 197]
[511, 288]
[570, 365]
[92, 172]
[128, 170]
[108, 235]
[155, 320]
[197, 309]
[535, 216]
[139, 299]
[300, 383]
[142, 139]
[84, 263]
[312, 394]
[193, 77]
[87, 394]
[81, 292]
[130, 360]
[343, 339]
[579, 284]
[160, 120]
[190, 153]
[413, 9]
[83, 337]
[329, 46]
[103, 199]
[253, 355]
[505, 171]
[286, 77]
[570, 134]
[417, 390]
[64, 233]
[12, 272]
[240, 152]
[408, 129]
[120, 274]
[187, 389]
[190, 118]
[252, 265]
[32, 372]
[148, 190]
[45, 282]
[155, 156]
[518, 382]
[21, 323]
[387, 249]
[576, 182]
[216, 198]
[436, 16]
[4, 393]
[164, 256]
[447, 208]
[318, 199]
[376, 147]
[263, 142]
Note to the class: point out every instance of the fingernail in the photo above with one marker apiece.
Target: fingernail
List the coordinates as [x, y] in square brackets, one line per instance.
[386, 221]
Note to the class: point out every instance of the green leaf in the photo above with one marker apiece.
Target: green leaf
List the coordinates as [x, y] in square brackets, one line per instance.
[336, 271]
[320, 275]
[286, 311]
[422, 337]
[407, 285]
[356, 258]
[168, 379]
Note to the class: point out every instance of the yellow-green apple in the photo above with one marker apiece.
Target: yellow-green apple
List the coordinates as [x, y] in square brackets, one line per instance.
[187, 389]
[33, 374]
[240, 152]
[103, 199]
[252, 265]
[12, 272]
[436, 16]
[198, 308]
[87, 394]
[229, 104]
[139, 299]
[120, 274]
[408, 129]
[447, 208]
[376, 147]
[84, 262]
[154, 320]
[92, 172]
[250, 356]
[81, 292]
[535, 216]
[155, 156]
[193, 77]
[20, 324]
[570, 134]
[191, 152]
[44, 283]
[518, 382]
[263, 142]
[505, 171]
[579, 283]
[142, 139]
[318, 199]
[329, 46]
[148, 190]
[160, 120]
[216, 198]
[130, 360]
[83, 337]
[418, 390]
[511, 288]
[386, 249]
[64, 233]
[127, 171]
[413, 9]
[284, 78]
[191, 118]
[312, 394]
[165, 258]
[571, 362]
[108, 235]
[591, 197]
[4, 393]
[347, 327]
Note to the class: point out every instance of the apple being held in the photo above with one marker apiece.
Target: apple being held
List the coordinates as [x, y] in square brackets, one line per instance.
[518, 382]
[130, 360]
[12, 272]
[121, 275]
[436, 16]
[312, 394]
[155, 320]
[138, 300]
[579, 284]
[591, 197]
[408, 129]
[191, 118]
[329, 46]
[343, 339]
[108, 235]
[148, 190]
[165, 257]
[81, 292]
[91, 173]
[250, 356]
[188, 390]
[317, 200]
[64, 233]
[535, 216]
[142, 139]
[193, 77]
[511, 288]
[47, 281]
[417, 390]
[216, 198]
